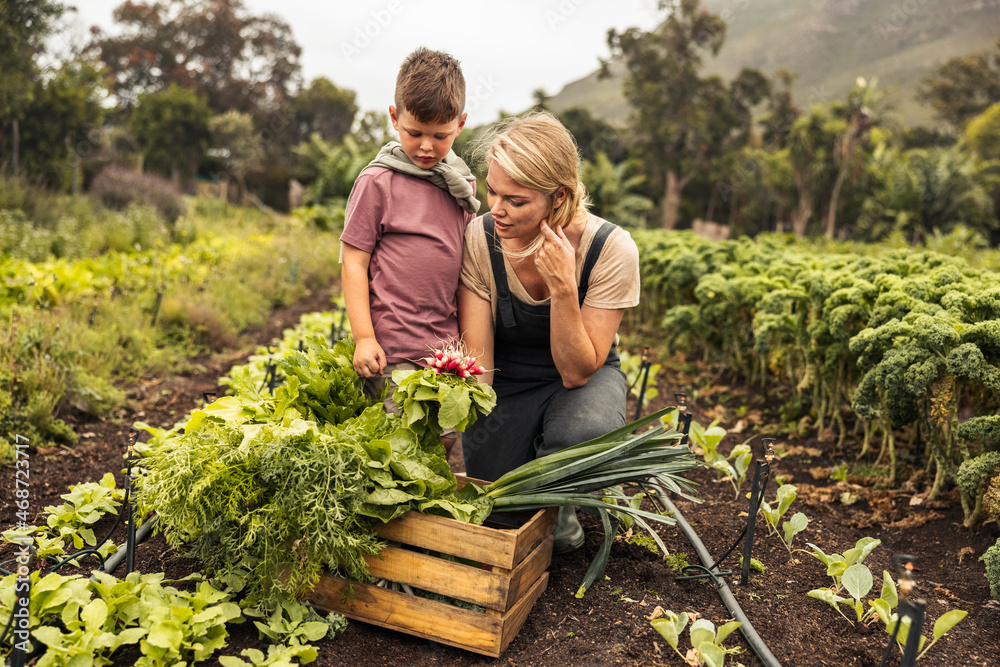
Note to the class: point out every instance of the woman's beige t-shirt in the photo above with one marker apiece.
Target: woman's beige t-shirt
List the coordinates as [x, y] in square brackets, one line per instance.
[614, 280]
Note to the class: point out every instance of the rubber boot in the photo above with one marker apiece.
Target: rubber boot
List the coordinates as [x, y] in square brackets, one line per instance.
[568, 533]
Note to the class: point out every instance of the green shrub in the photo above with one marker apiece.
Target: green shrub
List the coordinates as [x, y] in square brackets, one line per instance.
[992, 560]
[117, 188]
[195, 323]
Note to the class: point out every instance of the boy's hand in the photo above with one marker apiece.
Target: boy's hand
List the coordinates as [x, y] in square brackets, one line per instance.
[369, 358]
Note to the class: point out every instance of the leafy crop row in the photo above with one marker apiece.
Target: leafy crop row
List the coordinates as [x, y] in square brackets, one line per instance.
[74, 331]
[897, 338]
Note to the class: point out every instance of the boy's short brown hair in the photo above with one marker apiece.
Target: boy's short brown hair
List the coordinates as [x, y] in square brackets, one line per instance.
[430, 86]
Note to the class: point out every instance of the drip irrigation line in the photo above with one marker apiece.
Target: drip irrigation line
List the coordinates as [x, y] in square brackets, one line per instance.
[115, 559]
[753, 639]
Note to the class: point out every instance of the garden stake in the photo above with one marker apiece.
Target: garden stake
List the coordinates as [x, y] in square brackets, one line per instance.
[755, 496]
[913, 608]
[156, 307]
[133, 435]
[644, 369]
[685, 416]
[340, 326]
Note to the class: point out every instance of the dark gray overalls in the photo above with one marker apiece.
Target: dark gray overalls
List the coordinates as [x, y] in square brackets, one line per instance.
[531, 398]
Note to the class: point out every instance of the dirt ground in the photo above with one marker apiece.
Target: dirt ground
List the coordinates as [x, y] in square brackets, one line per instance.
[610, 625]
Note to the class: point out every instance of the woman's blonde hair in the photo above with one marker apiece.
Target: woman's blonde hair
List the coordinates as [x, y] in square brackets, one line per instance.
[537, 152]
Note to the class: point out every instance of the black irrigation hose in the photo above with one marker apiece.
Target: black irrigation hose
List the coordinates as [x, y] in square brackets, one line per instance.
[753, 639]
[141, 535]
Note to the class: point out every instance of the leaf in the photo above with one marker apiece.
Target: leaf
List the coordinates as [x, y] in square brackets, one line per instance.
[882, 609]
[947, 621]
[312, 630]
[827, 596]
[711, 655]
[889, 594]
[794, 526]
[128, 636]
[667, 630]
[455, 405]
[726, 630]
[702, 630]
[861, 550]
[858, 580]
[94, 614]
[166, 634]
[818, 553]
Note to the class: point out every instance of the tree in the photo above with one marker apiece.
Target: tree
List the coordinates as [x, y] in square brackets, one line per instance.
[239, 144]
[373, 131]
[64, 107]
[982, 133]
[541, 98]
[682, 122]
[928, 191]
[230, 58]
[782, 112]
[810, 152]
[325, 109]
[614, 190]
[172, 129]
[593, 135]
[963, 87]
[861, 109]
[24, 25]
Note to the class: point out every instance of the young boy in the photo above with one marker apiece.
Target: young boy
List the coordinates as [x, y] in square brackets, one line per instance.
[406, 218]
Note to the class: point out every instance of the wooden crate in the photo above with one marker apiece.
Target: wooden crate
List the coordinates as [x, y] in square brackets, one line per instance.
[512, 577]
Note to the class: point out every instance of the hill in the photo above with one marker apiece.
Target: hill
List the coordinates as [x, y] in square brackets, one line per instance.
[829, 44]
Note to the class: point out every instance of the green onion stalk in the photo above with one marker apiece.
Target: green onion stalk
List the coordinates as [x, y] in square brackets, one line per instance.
[594, 475]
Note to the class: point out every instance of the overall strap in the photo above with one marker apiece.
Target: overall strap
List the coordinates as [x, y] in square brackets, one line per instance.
[596, 246]
[504, 304]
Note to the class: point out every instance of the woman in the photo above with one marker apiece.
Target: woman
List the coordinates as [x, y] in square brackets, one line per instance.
[544, 286]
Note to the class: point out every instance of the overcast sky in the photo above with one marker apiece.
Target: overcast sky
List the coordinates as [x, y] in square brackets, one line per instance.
[507, 49]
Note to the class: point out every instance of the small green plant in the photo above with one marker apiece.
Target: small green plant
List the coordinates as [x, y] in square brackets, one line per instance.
[85, 505]
[837, 564]
[784, 498]
[942, 626]
[294, 623]
[755, 565]
[644, 541]
[839, 472]
[706, 641]
[277, 656]
[677, 562]
[707, 439]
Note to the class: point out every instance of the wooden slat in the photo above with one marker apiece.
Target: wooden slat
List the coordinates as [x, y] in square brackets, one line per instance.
[533, 533]
[457, 580]
[481, 633]
[518, 614]
[500, 547]
[529, 571]
[465, 540]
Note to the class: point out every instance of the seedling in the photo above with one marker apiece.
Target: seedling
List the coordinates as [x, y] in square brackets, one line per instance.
[786, 495]
[706, 641]
[905, 626]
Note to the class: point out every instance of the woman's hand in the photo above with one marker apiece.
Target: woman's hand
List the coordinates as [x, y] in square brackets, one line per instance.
[556, 261]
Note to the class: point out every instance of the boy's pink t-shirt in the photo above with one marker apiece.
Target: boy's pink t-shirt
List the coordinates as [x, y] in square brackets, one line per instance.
[413, 231]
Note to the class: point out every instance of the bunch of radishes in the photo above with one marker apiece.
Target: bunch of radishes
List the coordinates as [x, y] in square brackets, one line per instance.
[454, 358]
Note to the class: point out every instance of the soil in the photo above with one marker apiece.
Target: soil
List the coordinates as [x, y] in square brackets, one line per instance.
[610, 624]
